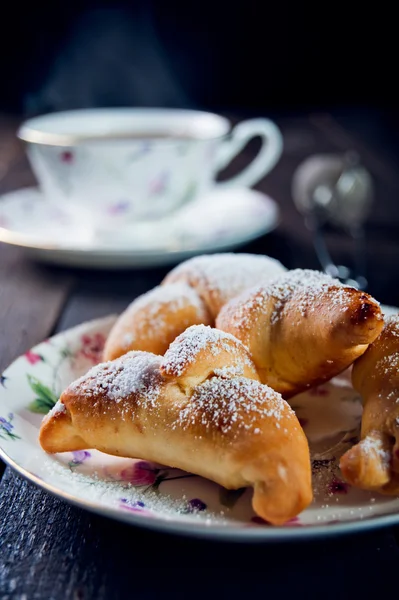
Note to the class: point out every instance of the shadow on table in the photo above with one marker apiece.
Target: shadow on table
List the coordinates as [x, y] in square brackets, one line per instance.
[73, 554]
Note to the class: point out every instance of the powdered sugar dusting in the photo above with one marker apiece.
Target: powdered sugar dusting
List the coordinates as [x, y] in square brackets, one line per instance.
[392, 323]
[313, 282]
[186, 347]
[58, 408]
[134, 373]
[310, 283]
[229, 274]
[144, 502]
[390, 365]
[229, 405]
[373, 445]
[152, 324]
[230, 371]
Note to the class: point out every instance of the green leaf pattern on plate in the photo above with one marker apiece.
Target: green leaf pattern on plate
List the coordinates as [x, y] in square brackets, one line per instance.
[45, 398]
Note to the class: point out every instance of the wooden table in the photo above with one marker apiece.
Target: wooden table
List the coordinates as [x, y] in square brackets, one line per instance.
[49, 549]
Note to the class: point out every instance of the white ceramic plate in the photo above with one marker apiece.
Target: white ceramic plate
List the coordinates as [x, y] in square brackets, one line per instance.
[161, 498]
[223, 220]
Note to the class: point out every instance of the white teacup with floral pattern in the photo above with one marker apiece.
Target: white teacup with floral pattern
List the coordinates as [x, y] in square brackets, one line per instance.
[109, 167]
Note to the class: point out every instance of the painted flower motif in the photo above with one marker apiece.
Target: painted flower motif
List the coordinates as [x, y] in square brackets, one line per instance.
[196, 505]
[45, 398]
[336, 486]
[66, 157]
[119, 208]
[6, 428]
[3, 380]
[92, 347]
[32, 357]
[140, 473]
[134, 506]
[79, 456]
[144, 148]
[6, 425]
[159, 185]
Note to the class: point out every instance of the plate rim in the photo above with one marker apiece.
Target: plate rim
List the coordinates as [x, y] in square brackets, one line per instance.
[13, 238]
[191, 529]
[203, 531]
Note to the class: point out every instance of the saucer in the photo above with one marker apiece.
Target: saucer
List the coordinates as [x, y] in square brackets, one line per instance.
[222, 220]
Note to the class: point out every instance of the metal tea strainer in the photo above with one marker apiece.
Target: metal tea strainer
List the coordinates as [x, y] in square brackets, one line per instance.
[331, 189]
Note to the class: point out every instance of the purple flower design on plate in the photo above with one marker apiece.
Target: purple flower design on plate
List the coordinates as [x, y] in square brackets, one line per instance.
[336, 486]
[144, 148]
[119, 208]
[159, 184]
[196, 505]
[6, 425]
[6, 428]
[79, 457]
[135, 506]
[140, 473]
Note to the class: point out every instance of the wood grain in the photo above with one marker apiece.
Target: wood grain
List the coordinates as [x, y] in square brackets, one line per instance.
[50, 550]
[31, 299]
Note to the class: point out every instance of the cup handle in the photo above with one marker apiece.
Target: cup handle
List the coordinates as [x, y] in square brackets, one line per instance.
[263, 163]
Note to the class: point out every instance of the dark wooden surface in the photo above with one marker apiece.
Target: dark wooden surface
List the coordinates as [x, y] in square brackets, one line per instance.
[51, 550]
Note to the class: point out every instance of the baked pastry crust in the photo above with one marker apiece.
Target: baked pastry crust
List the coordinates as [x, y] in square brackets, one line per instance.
[373, 463]
[199, 408]
[190, 294]
[302, 329]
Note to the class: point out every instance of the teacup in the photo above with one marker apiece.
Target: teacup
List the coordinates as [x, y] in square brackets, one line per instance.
[108, 167]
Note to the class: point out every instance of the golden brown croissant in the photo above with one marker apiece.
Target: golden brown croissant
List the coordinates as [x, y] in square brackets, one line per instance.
[191, 294]
[218, 278]
[302, 329]
[199, 408]
[155, 319]
[373, 463]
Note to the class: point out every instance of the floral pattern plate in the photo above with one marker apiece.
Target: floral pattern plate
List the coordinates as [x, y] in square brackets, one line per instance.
[158, 497]
[222, 220]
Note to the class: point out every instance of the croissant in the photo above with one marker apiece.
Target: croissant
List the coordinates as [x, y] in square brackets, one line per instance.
[302, 329]
[373, 463]
[199, 408]
[191, 294]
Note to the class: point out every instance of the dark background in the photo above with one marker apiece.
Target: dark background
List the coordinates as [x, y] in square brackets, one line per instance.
[252, 55]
